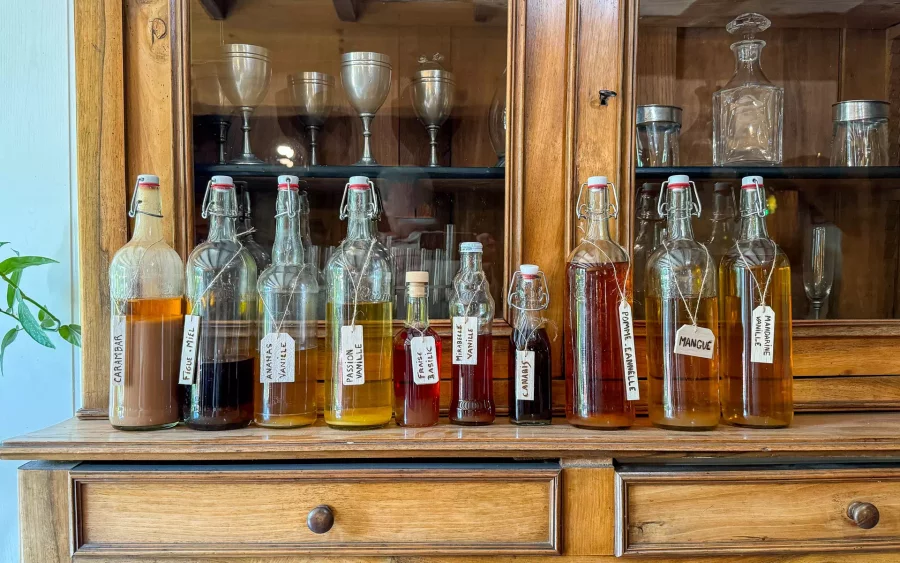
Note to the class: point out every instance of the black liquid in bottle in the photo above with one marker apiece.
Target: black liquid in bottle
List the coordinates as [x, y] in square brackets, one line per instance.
[222, 398]
[539, 409]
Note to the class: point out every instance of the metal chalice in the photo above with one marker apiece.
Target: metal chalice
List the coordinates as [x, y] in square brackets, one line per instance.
[210, 103]
[432, 94]
[244, 73]
[312, 94]
[367, 80]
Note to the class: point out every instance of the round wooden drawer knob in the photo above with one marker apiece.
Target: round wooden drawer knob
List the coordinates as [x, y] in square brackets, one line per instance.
[864, 514]
[320, 519]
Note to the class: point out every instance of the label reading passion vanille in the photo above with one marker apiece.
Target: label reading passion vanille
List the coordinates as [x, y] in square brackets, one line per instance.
[189, 349]
[629, 356]
[424, 359]
[465, 341]
[352, 357]
[276, 351]
[763, 320]
[117, 352]
[695, 341]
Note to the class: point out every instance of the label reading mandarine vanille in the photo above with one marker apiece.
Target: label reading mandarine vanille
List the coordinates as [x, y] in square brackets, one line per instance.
[695, 341]
[465, 341]
[276, 351]
[629, 356]
[524, 375]
[352, 357]
[117, 352]
[424, 359]
[189, 349]
[763, 320]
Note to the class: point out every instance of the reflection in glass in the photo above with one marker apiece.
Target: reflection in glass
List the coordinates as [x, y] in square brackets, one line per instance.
[497, 121]
[818, 268]
[311, 95]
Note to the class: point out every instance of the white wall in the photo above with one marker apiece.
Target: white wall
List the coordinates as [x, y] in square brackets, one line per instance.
[38, 216]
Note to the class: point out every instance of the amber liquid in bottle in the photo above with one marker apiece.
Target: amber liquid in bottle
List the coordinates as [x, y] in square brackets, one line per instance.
[472, 390]
[289, 404]
[153, 330]
[539, 409]
[415, 405]
[595, 379]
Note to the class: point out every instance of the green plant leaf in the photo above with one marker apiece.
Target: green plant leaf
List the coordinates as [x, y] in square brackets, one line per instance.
[19, 262]
[12, 292]
[32, 327]
[5, 242]
[7, 340]
[71, 334]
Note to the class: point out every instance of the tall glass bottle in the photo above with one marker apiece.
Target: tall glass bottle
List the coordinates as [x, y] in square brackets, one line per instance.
[221, 320]
[529, 349]
[245, 225]
[648, 236]
[682, 315]
[756, 354]
[596, 288]
[472, 311]
[288, 292]
[748, 113]
[146, 289]
[358, 337]
[724, 227]
[417, 360]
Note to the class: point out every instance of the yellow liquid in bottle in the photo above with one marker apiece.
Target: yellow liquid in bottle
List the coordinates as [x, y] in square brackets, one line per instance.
[369, 405]
[286, 405]
[756, 394]
[684, 390]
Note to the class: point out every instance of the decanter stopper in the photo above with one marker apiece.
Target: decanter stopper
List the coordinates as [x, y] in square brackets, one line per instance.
[748, 24]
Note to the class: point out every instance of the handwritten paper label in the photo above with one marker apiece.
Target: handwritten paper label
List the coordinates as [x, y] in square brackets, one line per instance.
[352, 363]
[465, 341]
[424, 360]
[696, 341]
[524, 375]
[629, 356]
[189, 349]
[276, 352]
[763, 351]
[117, 351]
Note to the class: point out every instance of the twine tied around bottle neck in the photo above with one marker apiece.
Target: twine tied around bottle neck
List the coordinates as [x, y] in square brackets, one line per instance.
[687, 308]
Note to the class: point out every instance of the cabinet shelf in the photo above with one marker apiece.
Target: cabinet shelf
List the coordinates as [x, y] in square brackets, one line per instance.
[395, 173]
[773, 172]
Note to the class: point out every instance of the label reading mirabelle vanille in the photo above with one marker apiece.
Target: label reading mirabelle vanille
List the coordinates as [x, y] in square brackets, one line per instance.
[276, 351]
[629, 357]
[695, 341]
[763, 320]
[424, 360]
[465, 341]
[117, 352]
[352, 357]
[189, 349]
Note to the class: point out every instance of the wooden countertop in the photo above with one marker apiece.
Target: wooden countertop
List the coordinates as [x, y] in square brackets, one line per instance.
[875, 435]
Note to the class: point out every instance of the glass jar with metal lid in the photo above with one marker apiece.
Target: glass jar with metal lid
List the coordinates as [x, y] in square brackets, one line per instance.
[658, 132]
[860, 133]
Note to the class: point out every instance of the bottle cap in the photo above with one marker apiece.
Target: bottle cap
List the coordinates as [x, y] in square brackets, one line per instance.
[750, 182]
[359, 183]
[149, 181]
[679, 182]
[416, 277]
[470, 247]
[597, 182]
[288, 182]
[529, 271]
[222, 183]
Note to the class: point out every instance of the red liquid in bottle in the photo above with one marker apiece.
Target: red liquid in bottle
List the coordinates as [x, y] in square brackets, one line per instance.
[595, 379]
[539, 409]
[472, 389]
[414, 405]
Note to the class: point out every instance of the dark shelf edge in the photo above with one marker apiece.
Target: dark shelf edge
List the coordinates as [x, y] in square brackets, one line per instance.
[773, 172]
[339, 172]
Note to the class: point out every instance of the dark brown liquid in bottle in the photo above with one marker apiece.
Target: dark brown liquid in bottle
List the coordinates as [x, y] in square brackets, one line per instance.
[537, 410]
[222, 399]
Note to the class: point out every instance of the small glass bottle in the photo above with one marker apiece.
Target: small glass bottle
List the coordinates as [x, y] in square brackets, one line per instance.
[359, 331]
[756, 355]
[245, 225]
[222, 311]
[288, 351]
[146, 289]
[648, 236]
[748, 113]
[682, 313]
[417, 360]
[724, 227]
[529, 349]
[597, 286]
[472, 311]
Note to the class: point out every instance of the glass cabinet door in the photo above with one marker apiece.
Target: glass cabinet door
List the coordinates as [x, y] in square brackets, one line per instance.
[803, 94]
[409, 94]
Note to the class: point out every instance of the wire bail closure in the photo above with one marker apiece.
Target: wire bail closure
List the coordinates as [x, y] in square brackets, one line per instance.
[543, 302]
[374, 211]
[205, 206]
[133, 208]
[581, 209]
[760, 209]
[662, 207]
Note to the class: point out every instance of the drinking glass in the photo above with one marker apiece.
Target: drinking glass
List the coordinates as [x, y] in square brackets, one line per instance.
[818, 268]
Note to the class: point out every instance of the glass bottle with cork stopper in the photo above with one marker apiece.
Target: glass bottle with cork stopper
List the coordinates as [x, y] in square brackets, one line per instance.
[682, 315]
[358, 326]
[146, 287]
[600, 385]
[220, 335]
[417, 360]
[288, 293]
[529, 349]
[756, 355]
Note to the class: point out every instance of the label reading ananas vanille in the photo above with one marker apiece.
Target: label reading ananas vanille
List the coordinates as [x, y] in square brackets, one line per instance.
[352, 357]
[189, 349]
[276, 351]
[465, 341]
[424, 359]
[695, 341]
[763, 320]
[524, 375]
[117, 352]
[629, 356]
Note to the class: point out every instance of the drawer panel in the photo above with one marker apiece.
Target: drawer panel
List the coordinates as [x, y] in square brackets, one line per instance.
[378, 509]
[760, 511]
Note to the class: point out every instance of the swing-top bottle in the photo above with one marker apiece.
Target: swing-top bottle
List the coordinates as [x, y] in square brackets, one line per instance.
[358, 336]
[596, 288]
[682, 360]
[530, 370]
[245, 229]
[217, 370]
[288, 292]
[756, 356]
[146, 286]
[724, 227]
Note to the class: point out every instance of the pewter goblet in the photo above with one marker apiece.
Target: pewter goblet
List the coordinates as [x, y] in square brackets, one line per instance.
[244, 74]
[311, 94]
[367, 81]
[432, 99]
[210, 103]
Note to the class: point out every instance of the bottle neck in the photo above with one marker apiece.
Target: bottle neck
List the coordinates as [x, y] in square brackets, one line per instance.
[359, 223]
[470, 262]
[222, 214]
[752, 225]
[747, 67]
[531, 301]
[678, 221]
[417, 307]
[598, 216]
[287, 248]
[148, 221]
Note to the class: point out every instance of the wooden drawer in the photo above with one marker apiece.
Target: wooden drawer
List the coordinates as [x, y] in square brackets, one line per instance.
[409, 508]
[754, 511]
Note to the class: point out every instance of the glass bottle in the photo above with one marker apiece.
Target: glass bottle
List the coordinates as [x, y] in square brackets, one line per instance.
[748, 113]
[358, 315]
[756, 355]
[648, 236]
[417, 360]
[146, 289]
[472, 310]
[222, 310]
[529, 349]
[682, 311]
[596, 286]
[245, 225]
[288, 351]
[724, 227]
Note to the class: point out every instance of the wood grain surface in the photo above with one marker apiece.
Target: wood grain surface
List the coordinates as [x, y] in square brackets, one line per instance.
[44, 512]
[795, 558]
